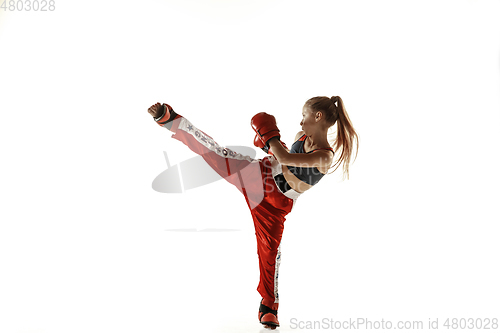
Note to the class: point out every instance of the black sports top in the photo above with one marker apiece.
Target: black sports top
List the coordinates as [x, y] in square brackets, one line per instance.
[310, 176]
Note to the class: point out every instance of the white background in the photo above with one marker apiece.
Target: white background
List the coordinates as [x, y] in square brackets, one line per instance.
[412, 235]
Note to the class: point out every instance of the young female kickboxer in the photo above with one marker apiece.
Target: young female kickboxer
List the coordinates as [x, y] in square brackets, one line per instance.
[272, 185]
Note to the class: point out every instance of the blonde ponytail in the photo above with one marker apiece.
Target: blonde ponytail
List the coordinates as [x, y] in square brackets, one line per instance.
[346, 138]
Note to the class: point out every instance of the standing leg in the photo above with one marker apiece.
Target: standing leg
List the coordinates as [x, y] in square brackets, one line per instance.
[268, 230]
[269, 219]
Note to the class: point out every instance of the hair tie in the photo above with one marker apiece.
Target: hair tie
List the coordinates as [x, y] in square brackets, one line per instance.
[335, 100]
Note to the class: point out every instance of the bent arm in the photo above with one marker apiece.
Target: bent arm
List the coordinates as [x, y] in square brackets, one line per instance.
[318, 159]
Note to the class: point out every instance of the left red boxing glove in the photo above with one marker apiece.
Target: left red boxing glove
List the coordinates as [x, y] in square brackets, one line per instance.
[265, 126]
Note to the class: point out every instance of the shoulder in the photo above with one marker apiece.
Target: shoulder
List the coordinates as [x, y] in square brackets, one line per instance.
[324, 151]
[325, 154]
[298, 135]
[325, 157]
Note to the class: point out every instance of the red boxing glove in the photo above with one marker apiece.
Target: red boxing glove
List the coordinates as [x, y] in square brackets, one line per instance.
[265, 126]
[258, 143]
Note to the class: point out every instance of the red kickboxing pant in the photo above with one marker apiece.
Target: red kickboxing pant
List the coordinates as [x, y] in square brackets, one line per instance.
[254, 179]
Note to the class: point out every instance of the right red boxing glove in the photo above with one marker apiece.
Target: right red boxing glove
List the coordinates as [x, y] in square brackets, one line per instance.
[257, 141]
[265, 126]
[259, 144]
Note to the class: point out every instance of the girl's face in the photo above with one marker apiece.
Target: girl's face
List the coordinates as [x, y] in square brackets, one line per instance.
[308, 121]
